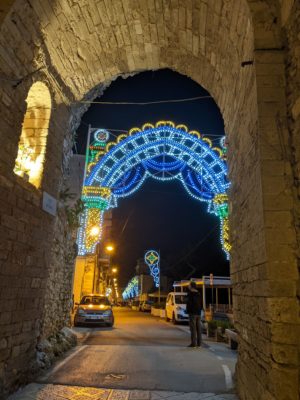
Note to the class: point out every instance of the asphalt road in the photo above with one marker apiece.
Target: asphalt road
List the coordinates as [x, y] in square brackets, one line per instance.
[143, 352]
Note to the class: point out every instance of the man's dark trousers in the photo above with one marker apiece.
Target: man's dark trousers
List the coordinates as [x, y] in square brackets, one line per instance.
[195, 327]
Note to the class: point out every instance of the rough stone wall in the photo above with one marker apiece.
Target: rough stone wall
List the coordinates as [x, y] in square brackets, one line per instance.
[265, 293]
[81, 47]
[293, 103]
[29, 263]
[58, 293]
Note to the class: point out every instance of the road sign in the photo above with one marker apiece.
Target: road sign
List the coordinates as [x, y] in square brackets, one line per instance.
[49, 204]
[211, 279]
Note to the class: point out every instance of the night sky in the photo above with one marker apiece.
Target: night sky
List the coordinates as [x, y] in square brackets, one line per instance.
[161, 215]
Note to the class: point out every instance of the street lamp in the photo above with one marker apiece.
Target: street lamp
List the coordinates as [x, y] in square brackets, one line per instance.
[110, 248]
[114, 270]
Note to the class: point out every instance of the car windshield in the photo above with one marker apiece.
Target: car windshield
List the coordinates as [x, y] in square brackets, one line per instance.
[180, 299]
[95, 300]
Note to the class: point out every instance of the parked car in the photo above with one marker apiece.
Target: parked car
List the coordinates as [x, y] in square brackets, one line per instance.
[94, 309]
[135, 305]
[146, 305]
[176, 307]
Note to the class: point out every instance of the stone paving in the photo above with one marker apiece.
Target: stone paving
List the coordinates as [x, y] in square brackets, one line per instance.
[36, 391]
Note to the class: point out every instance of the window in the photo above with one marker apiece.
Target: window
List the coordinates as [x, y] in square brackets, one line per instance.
[32, 144]
[180, 299]
[95, 300]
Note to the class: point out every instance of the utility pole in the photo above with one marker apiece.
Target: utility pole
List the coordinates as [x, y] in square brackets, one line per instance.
[159, 277]
[87, 153]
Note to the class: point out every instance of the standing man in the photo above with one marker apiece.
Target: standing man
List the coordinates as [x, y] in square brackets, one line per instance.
[193, 308]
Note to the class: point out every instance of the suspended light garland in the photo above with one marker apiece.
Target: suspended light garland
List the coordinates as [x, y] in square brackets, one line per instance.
[162, 151]
[152, 259]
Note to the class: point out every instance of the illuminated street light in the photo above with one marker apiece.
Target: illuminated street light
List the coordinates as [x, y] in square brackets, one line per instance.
[114, 270]
[109, 248]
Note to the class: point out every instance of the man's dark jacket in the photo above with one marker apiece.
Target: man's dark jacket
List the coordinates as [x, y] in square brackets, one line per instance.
[194, 303]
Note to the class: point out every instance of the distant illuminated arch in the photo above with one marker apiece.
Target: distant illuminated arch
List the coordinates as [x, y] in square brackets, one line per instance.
[163, 152]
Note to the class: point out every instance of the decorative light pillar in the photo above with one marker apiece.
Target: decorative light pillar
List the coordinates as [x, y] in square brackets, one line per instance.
[152, 260]
[220, 203]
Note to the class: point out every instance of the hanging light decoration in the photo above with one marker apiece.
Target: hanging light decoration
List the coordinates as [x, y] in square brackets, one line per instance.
[152, 259]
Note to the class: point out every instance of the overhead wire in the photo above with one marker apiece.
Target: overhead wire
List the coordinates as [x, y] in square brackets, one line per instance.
[145, 103]
[194, 248]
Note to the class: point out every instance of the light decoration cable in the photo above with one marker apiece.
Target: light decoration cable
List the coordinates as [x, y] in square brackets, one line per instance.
[162, 151]
[132, 289]
[152, 259]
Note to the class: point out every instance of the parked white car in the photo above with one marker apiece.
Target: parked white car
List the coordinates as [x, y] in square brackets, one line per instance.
[176, 307]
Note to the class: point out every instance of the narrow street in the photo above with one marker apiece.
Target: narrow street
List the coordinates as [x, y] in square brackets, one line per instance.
[143, 353]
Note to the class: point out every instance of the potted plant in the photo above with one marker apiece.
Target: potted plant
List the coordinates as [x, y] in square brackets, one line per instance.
[211, 328]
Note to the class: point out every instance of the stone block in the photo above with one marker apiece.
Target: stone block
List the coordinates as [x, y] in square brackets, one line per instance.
[284, 381]
[283, 309]
[285, 354]
[281, 202]
[16, 351]
[271, 94]
[4, 354]
[286, 333]
[283, 288]
[296, 109]
[280, 268]
[5, 317]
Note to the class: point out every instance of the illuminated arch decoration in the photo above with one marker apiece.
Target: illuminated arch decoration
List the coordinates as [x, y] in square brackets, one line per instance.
[117, 169]
[132, 289]
[152, 260]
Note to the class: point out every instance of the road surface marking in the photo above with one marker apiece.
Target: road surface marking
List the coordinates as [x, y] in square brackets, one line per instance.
[228, 377]
[63, 362]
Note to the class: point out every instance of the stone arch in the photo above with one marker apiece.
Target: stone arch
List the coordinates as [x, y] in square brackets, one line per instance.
[33, 139]
[234, 49]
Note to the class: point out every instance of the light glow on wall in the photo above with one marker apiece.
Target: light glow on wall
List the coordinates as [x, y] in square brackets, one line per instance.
[30, 159]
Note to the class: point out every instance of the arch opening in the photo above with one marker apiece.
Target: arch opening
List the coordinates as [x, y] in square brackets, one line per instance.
[30, 159]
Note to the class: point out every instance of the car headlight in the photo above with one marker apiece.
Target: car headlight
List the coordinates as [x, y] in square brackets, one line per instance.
[81, 311]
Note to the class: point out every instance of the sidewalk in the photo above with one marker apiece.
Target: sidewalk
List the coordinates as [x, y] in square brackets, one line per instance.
[36, 391]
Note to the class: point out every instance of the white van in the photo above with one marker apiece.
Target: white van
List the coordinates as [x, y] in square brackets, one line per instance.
[176, 307]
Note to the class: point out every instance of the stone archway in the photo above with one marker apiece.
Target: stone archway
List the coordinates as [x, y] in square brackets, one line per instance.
[234, 50]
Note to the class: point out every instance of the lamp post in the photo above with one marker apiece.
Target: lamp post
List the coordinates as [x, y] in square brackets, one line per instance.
[109, 248]
[94, 232]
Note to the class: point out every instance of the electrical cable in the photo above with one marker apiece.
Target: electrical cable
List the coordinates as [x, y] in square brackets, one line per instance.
[194, 248]
[146, 103]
